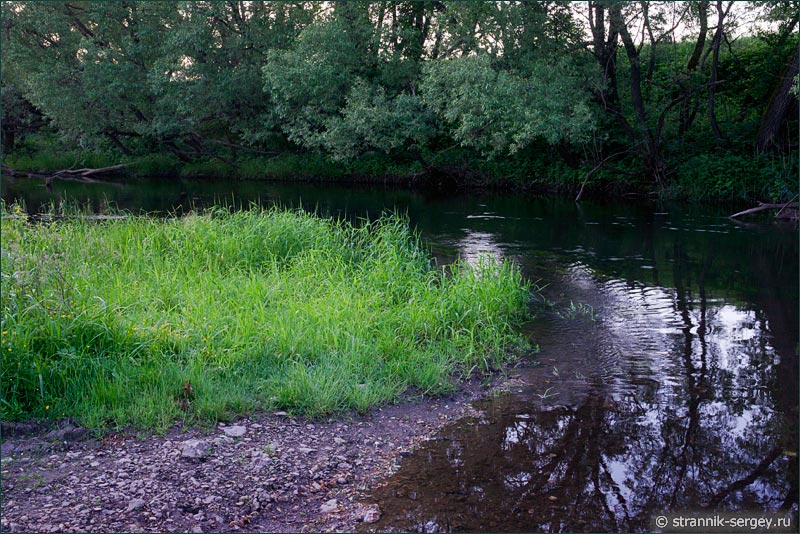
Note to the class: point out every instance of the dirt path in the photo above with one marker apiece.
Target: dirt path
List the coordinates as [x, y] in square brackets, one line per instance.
[268, 473]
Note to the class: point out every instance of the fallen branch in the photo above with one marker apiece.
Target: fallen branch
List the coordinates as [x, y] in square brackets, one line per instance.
[762, 206]
[81, 175]
[89, 172]
[46, 217]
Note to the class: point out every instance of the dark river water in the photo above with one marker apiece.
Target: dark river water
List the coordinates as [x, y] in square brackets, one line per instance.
[667, 376]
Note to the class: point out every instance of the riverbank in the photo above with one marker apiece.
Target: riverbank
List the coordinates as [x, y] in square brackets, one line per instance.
[265, 473]
[724, 176]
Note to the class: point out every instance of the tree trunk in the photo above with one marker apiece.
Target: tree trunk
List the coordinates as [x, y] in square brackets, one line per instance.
[712, 92]
[114, 139]
[9, 139]
[777, 111]
[650, 145]
[686, 118]
[605, 51]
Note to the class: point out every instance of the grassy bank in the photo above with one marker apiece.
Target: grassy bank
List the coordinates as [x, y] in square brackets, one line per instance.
[723, 176]
[144, 321]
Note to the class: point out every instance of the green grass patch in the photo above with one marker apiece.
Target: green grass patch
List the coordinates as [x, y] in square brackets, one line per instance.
[146, 321]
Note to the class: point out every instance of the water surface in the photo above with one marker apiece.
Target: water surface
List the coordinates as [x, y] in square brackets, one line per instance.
[667, 377]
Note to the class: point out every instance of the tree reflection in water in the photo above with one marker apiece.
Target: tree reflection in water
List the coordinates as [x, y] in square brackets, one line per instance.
[670, 401]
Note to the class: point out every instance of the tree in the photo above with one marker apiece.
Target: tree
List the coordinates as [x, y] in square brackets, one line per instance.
[19, 117]
[85, 64]
[782, 100]
[500, 112]
[208, 76]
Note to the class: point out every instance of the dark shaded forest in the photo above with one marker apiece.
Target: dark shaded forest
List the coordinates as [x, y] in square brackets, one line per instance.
[694, 100]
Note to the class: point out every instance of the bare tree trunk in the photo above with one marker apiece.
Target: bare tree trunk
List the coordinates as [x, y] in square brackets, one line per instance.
[686, 118]
[650, 144]
[114, 139]
[605, 50]
[9, 140]
[712, 91]
[778, 108]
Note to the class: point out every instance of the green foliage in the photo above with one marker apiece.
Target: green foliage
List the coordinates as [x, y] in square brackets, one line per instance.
[255, 309]
[370, 120]
[308, 83]
[152, 165]
[733, 176]
[395, 88]
[501, 112]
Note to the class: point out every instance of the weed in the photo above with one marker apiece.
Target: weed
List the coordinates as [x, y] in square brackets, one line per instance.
[578, 311]
[142, 321]
[547, 394]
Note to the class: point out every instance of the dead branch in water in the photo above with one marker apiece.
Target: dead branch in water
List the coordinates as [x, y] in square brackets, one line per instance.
[762, 206]
[46, 217]
[78, 175]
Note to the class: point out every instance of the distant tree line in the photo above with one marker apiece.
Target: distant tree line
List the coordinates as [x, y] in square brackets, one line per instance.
[605, 89]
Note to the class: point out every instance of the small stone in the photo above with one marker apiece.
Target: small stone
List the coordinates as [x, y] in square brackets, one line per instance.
[68, 433]
[280, 414]
[338, 441]
[235, 431]
[372, 514]
[197, 529]
[135, 504]
[305, 450]
[195, 449]
[329, 506]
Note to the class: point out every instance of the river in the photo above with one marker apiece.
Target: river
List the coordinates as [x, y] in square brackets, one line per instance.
[667, 375]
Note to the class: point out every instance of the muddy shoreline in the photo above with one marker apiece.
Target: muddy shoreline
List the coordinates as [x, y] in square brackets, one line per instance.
[265, 473]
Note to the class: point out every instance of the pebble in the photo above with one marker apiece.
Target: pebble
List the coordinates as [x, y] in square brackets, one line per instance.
[329, 506]
[372, 514]
[235, 431]
[287, 469]
[135, 504]
[195, 449]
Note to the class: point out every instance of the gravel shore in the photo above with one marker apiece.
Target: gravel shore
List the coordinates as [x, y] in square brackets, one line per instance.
[266, 473]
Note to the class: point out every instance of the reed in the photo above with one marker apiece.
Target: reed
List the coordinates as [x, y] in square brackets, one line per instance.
[143, 321]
